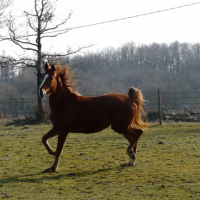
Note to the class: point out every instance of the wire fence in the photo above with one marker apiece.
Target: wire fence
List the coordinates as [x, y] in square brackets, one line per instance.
[159, 106]
[173, 101]
[173, 106]
[20, 108]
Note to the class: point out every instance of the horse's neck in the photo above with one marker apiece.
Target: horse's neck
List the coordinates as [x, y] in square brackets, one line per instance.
[60, 96]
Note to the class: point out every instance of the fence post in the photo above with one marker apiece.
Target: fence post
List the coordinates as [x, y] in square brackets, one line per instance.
[23, 104]
[159, 103]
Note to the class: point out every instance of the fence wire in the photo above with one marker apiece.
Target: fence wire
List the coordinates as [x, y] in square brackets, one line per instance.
[173, 101]
[172, 104]
[20, 108]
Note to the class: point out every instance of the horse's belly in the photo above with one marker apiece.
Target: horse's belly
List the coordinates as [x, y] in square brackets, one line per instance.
[89, 125]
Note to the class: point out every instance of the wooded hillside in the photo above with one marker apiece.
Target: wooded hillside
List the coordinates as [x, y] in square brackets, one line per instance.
[173, 67]
[170, 67]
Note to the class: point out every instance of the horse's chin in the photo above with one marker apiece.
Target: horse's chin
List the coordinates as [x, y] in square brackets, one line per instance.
[42, 96]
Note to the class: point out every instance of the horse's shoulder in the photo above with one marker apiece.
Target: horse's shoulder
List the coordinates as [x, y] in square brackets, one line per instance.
[73, 96]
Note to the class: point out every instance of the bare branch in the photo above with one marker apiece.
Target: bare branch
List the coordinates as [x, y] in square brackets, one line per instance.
[58, 25]
[30, 24]
[3, 6]
[22, 62]
[61, 33]
[36, 8]
[69, 52]
[28, 14]
[19, 43]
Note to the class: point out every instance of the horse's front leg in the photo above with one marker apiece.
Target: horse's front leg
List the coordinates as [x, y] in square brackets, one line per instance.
[61, 141]
[45, 138]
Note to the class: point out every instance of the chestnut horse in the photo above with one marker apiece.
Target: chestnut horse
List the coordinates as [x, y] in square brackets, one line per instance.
[71, 112]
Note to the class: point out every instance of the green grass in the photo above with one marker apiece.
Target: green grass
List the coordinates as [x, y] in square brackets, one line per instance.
[167, 167]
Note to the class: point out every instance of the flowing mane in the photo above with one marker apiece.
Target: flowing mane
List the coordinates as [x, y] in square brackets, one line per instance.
[66, 75]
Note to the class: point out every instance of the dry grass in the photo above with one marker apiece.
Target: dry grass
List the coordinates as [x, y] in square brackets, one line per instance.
[168, 164]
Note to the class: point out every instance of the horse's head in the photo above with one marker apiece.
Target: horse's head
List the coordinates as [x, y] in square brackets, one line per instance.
[49, 83]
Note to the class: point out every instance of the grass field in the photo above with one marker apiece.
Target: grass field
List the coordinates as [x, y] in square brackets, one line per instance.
[167, 167]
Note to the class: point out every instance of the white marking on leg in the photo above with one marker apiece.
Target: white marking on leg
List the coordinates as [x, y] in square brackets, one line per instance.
[131, 162]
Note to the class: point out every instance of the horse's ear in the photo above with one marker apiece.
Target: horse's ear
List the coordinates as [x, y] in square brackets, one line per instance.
[46, 66]
[53, 67]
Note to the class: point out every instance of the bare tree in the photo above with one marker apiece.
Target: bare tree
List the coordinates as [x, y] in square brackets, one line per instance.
[40, 24]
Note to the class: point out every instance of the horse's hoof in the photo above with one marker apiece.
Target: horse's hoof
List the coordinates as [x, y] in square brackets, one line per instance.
[131, 155]
[49, 170]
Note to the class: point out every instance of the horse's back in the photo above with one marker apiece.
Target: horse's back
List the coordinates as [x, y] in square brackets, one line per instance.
[107, 103]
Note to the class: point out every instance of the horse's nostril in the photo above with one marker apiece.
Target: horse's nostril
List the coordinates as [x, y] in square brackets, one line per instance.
[42, 93]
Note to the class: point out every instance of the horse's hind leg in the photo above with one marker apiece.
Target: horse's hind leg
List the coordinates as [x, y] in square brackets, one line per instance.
[45, 138]
[133, 138]
[61, 141]
[131, 152]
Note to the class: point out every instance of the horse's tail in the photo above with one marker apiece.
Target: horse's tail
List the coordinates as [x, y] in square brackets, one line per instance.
[138, 99]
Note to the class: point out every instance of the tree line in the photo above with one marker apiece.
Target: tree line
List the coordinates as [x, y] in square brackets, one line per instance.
[170, 67]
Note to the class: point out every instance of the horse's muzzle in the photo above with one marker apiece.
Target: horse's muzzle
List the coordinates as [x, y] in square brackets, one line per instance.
[41, 93]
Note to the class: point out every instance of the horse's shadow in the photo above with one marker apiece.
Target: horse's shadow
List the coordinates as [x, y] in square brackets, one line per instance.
[29, 178]
[92, 172]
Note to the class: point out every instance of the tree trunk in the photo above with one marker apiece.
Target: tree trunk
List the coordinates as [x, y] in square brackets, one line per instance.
[40, 113]
[39, 62]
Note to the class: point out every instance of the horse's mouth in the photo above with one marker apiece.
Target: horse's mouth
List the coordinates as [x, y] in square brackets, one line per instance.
[41, 94]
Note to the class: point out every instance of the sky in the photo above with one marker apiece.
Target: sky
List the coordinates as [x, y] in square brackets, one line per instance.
[181, 24]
